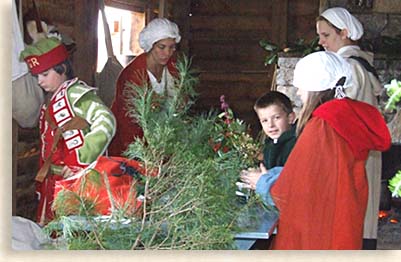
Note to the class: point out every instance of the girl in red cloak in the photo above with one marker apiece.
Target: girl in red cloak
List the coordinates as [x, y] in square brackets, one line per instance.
[322, 191]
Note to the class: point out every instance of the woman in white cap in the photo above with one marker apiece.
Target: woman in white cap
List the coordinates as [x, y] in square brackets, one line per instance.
[154, 67]
[322, 191]
[339, 32]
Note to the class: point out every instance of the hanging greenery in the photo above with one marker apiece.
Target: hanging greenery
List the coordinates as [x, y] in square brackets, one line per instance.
[189, 201]
[301, 47]
[393, 90]
[395, 184]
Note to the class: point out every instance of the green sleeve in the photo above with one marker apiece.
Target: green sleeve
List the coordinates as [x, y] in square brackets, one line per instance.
[102, 125]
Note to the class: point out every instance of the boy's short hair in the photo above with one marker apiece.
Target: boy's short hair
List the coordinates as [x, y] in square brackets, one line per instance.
[65, 67]
[274, 98]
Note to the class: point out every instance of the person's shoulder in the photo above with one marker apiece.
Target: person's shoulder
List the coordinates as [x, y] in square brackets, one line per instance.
[79, 86]
[136, 66]
[77, 89]
[289, 135]
[342, 103]
[352, 52]
[137, 62]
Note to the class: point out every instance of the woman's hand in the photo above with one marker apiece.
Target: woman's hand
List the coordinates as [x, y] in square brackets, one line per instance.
[252, 175]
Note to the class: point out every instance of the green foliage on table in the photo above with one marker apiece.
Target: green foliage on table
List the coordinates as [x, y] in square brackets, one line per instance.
[191, 202]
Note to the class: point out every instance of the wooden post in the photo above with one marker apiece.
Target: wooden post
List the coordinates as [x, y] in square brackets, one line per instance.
[148, 12]
[279, 30]
[323, 5]
[280, 22]
[85, 32]
[162, 8]
[180, 14]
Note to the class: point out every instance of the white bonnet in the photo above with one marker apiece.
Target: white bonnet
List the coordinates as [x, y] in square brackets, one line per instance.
[158, 29]
[342, 19]
[321, 71]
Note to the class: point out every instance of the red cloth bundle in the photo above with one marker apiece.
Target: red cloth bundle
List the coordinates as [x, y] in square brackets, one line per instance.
[90, 191]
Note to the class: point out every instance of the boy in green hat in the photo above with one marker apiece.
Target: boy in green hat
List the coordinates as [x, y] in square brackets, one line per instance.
[75, 125]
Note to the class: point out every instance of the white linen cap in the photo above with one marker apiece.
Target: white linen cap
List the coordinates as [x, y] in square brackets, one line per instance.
[342, 19]
[321, 71]
[158, 29]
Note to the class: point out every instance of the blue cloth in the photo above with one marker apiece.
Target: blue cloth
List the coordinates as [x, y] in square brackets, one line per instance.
[265, 182]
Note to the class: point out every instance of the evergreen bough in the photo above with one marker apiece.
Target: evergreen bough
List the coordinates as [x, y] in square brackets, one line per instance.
[191, 202]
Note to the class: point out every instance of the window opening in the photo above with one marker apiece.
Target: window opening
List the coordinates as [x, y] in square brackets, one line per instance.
[125, 27]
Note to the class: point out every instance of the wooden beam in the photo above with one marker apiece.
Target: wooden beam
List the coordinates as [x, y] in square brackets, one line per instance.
[280, 22]
[162, 8]
[132, 5]
[180, 15]
[323, 5]
[85, 32]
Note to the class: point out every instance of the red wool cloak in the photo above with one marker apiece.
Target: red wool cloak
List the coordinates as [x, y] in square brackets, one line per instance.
[322, 191]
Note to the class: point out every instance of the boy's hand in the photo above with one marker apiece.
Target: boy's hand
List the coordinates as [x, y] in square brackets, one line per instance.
[262, 168]
[252, 175]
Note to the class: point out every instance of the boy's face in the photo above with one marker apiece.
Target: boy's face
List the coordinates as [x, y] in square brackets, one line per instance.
[50, 80]
[274, 120]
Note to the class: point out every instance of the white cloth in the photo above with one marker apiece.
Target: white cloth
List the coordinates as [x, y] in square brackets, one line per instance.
[365, 86]
[26, 94]
[18, 68]
[27, 235]
[166, 83]
[321, 71]
[158, 29]
[342, 19]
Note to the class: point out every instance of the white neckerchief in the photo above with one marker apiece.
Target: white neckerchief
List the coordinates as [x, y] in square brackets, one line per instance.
[165, 87]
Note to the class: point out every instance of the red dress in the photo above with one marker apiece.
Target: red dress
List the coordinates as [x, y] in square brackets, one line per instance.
[127, 128]
[322, 191]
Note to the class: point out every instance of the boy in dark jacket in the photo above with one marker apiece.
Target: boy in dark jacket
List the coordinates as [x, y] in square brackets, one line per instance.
[276, 115]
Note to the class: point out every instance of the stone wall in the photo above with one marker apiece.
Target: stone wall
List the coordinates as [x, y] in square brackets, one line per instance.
[380, 18]
[386, 68]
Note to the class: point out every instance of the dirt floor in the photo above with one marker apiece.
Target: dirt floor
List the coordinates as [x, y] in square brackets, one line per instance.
[389, 230]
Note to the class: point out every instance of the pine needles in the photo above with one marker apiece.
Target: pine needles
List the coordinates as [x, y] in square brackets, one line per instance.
[191, 202]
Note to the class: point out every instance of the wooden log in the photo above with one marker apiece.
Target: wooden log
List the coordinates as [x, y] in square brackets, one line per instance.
[222, 22]
[85, 28]
[224, 7]
[227, 65]
[229, 35]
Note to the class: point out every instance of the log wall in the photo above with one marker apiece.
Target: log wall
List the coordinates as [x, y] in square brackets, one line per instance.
[223, 38]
